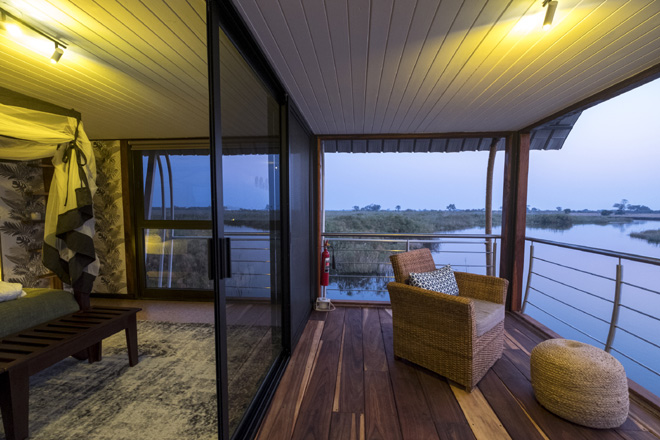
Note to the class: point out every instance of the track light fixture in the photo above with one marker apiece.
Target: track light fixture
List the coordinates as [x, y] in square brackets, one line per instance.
[57, 54]
[15, 26]
[549, 13]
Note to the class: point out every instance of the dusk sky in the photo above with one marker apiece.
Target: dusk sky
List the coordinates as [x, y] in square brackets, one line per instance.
[612, 153]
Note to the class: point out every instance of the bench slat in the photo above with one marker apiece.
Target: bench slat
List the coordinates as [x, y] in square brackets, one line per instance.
[25, 353]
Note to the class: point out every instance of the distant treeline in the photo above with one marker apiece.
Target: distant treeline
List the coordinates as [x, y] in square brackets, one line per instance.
[430, 221]
[406, 222]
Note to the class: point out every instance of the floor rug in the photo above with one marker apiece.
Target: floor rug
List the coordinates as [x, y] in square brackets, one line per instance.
[170, 394]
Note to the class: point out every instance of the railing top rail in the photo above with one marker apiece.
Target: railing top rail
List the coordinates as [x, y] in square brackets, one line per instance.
[591, 250]
[406, 236]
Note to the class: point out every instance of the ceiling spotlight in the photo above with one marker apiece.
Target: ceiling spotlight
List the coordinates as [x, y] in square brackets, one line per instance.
[57, 54]
[550, 13]
[30, 36]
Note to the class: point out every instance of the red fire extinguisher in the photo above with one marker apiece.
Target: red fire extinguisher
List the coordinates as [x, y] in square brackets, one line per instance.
[325, 265]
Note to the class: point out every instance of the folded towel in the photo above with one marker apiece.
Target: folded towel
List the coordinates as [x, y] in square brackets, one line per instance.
[9, 291]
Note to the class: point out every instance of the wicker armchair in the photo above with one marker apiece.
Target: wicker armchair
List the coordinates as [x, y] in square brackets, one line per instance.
[458, 337]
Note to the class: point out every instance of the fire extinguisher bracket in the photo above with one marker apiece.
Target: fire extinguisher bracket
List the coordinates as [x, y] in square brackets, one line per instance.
[323, 303]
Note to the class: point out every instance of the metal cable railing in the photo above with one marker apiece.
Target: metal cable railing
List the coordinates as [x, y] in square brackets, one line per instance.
[362, 266]
[572, 296]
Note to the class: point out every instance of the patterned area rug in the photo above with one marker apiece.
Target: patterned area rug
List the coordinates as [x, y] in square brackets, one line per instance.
[170, 394]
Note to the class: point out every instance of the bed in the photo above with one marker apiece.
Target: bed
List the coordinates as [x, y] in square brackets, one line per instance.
[37, 307]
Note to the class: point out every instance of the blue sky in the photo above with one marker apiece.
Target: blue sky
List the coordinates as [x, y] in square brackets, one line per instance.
[612, 153]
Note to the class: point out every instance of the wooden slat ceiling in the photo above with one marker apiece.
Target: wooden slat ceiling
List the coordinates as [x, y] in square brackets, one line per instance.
[137, 68]
[430, 66]
[134, 69]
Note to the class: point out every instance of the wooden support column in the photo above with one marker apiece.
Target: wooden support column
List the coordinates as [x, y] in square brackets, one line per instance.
[514, 216]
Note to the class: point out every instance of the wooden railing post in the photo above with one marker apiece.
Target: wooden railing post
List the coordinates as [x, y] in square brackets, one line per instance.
[615, 308]
[514, 216]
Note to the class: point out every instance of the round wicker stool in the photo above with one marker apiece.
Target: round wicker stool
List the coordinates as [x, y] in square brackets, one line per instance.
[580, 383]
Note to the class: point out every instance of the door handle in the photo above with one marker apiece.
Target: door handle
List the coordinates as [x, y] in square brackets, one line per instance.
[224, 270]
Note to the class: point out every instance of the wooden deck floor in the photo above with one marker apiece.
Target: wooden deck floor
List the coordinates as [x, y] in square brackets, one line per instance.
[344, 383]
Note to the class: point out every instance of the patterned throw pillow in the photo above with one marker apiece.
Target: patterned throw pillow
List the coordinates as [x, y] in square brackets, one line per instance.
[439, 280]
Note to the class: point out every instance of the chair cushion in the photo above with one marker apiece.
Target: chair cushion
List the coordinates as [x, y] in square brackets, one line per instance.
[488, 315]
[439, 280]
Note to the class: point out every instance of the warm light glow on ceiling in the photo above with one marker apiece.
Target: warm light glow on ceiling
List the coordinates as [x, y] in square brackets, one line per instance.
[528, 23]
[14, 30]
[29, 36]
[29, 10]
[37, 44]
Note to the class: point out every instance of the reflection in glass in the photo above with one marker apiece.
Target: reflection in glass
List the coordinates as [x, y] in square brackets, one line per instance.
[177, 259]
[176, 185]
[251, 176]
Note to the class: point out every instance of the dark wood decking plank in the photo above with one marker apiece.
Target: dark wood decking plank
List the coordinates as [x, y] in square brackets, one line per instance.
[414, 414]
[553, 426]
[506, 407]
[518, 358]
[519, 321]
[649, 420]
[351, 393]
[346, 426]
[334, 325]
[316, 409]
[372, 341]
[280, 420]
[637, 435]
[317, 316]
[381, 417]
[447, 414]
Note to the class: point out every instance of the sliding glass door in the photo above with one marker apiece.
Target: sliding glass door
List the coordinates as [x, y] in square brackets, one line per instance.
[251, 204]
[246, 145]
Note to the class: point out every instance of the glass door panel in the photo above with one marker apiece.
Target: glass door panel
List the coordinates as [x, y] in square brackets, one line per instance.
[250, 119]
[177, 259]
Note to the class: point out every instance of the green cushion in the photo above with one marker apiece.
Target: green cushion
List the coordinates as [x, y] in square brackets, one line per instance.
[39, 306]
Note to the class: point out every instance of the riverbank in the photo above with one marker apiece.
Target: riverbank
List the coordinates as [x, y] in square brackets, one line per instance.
[650, 235]
[430, 221]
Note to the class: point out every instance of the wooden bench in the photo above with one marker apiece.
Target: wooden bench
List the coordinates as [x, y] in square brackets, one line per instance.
[27, 352]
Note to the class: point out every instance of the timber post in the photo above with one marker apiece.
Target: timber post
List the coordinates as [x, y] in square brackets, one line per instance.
[514, 216]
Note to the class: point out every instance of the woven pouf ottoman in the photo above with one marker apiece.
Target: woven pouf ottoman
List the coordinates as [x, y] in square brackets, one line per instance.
[580, 383]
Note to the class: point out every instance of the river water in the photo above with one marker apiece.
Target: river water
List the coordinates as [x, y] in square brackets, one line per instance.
[566, 283]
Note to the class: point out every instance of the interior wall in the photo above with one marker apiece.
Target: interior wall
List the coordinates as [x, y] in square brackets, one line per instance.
[22, 210]
[108, 209]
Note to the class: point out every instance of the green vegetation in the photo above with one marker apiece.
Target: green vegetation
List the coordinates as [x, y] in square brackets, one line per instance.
[650, 235]
[431, 221]
[408, 222]
[563, 221]
[251, 218]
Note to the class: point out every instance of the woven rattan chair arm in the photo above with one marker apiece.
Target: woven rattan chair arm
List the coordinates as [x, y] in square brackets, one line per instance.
[454, 315]
[482, 287]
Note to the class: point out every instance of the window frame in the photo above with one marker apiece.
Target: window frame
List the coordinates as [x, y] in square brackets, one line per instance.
[137, 151]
